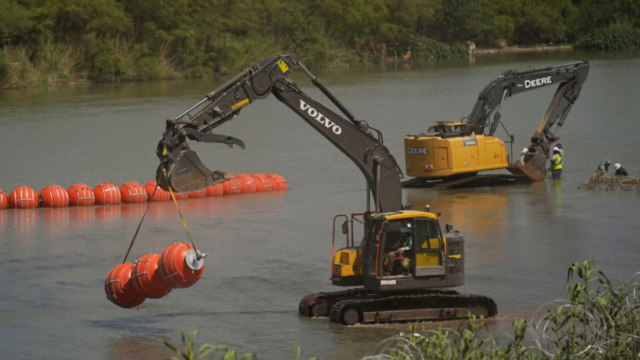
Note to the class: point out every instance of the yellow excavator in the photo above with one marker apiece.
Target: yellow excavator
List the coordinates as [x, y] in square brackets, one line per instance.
[453, 153]
[404, 265]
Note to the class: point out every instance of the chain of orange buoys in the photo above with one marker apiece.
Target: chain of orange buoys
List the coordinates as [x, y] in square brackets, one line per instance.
[180, 265]
[55, 196]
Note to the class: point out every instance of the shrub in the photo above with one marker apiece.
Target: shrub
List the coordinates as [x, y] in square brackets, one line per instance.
[148, 68]
[4, 70]
[614, 37]
[108, 65]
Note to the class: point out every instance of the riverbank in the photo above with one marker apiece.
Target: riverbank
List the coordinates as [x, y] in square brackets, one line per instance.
[520, 49]
[61, 64]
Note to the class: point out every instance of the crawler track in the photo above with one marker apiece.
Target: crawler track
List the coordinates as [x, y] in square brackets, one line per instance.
[416, 307]
[469, 181]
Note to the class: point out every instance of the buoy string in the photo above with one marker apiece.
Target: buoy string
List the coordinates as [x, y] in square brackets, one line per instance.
[198, 257]
[139, 225]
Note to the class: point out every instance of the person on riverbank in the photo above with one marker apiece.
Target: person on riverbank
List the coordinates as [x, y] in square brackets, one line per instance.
[620, 171]
[556, 164]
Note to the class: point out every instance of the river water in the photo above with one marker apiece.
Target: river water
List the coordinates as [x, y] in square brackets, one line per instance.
[268, 250]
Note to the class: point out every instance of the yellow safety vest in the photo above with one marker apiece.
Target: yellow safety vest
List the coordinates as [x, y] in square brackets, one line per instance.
[557, 163]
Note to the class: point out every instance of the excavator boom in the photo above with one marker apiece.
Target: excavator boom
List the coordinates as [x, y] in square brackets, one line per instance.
[182, 169]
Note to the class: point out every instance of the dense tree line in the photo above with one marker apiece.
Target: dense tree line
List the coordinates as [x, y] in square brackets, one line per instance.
[106, 40]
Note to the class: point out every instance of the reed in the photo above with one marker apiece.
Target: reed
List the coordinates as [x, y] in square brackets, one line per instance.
[606, 182]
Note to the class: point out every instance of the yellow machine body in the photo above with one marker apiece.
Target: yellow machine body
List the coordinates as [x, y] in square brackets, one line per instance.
[436, 157]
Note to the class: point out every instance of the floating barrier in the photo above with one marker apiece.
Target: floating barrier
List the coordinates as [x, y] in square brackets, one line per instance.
[231, 187]
[214, 190]
[133, 193]
[160, 195]
[4, 201]
[262, 182]
[23, 197]
[247, 184]
[179, 265]
[146, 277]
[119, 287]
[107, 194]
[280, 182]
[54, 196]
[81, 195]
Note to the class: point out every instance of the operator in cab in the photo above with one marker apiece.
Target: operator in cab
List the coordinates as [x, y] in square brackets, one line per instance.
[396, 262]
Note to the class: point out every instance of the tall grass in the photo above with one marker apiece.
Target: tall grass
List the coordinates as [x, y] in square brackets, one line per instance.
[617, 36]
[599, 321]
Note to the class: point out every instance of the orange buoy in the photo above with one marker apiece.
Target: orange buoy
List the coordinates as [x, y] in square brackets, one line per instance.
[54, 196]
[179, 266]
[262, 183]
[133, 193]
[247, 184]
[231, 187]
[4, 201]
[81, 195]
[107, 194]
[214, 190]
[198, 194]
[23, 197]
[279, 181]
[146, 277]
[119, 287]
[160, 195]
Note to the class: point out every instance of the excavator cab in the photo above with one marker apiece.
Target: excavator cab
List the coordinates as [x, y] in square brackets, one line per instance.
[442, 127]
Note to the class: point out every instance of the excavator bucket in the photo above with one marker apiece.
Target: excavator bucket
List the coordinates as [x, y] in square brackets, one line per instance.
[187, 173]
[533, 165]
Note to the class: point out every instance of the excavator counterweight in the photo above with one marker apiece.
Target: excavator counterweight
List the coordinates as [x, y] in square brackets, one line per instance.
[404, 263]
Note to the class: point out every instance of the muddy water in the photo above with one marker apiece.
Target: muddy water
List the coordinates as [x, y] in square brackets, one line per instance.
[268, 250]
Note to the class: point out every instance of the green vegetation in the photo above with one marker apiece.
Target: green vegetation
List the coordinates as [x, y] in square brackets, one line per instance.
[61, 41]
[600, 321]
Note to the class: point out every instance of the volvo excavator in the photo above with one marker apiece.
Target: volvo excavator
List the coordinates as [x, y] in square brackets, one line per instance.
[405, 265]
[454, 152]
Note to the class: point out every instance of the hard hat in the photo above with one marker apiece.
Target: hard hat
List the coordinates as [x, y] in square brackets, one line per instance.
[555, 148]
[405, 227]
[617, 166]
[608, 162]
[525, 150]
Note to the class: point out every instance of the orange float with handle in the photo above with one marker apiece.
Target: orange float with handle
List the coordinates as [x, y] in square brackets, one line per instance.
[181, 265]
[262, 182]
[4, 201]
[23, 197]
[146, 277]
[54, 196]
[81, 195]
[133, 193]
[119, 287]
[107, 194]
[151, 187]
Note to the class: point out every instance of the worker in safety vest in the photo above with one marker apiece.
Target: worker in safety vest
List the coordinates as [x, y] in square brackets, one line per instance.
[556, 164]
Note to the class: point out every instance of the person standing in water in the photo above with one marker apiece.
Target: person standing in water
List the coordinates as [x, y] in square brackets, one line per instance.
[556, 164]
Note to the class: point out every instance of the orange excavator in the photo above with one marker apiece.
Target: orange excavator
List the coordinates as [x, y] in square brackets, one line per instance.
[453, 153]
[405, 265]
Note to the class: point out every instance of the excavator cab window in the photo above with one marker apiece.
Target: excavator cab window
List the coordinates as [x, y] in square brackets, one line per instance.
[397, 248]
[428, 250]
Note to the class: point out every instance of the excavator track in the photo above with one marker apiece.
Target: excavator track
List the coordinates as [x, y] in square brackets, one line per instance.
[416, 307]
[483, 180]
[320, 304]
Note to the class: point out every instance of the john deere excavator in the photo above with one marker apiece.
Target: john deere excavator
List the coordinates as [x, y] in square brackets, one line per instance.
[404, 265]
[454, 152]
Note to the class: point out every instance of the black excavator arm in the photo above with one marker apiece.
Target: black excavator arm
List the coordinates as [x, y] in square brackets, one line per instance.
[182, 169]
[569, 77]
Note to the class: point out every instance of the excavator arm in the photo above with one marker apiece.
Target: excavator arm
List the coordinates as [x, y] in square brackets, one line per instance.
[569, 77]
[182, 170]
